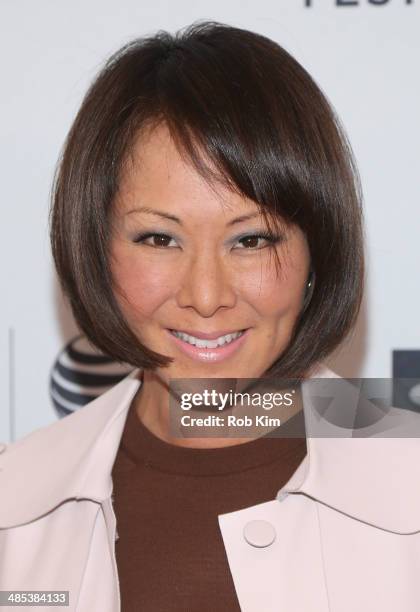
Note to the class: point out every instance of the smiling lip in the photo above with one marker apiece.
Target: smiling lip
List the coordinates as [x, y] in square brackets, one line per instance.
[207, 336]
[210, 355]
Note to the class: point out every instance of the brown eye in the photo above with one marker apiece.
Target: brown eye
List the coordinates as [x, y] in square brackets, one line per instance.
[160, 240]
[155, 240]
[251, 241]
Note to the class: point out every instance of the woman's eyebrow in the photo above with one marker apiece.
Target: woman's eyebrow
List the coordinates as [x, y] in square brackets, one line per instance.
[152, 211]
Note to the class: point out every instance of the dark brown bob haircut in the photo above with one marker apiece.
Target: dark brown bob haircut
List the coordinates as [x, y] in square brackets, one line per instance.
[243, 102]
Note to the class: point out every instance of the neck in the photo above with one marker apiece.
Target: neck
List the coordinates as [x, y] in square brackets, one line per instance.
[151, 404]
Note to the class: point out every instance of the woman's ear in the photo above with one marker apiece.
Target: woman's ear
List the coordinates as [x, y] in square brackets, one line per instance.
[309, 291]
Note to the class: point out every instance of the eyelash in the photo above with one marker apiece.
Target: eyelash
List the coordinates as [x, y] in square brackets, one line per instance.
[271, 238]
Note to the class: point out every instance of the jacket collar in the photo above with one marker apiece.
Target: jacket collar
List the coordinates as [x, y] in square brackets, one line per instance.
[370, 473]
[70, 459]
[369, 479]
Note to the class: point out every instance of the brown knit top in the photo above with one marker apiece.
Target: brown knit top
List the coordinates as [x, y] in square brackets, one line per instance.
[170, 553]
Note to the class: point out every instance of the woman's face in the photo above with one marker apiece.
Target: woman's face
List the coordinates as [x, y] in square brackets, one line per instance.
[203, 272]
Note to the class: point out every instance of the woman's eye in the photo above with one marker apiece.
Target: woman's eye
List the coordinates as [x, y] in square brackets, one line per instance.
[155, 240]
[251, 242]
[254, 242]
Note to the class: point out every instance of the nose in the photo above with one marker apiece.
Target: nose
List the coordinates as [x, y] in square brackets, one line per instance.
[206, 284]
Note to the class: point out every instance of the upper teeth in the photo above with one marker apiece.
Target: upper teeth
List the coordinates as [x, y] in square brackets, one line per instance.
[199, 342]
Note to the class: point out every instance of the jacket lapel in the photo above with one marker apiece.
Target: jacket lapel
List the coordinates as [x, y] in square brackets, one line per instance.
[70, 459]
[370, 473]
[369, 478]
[373, 479]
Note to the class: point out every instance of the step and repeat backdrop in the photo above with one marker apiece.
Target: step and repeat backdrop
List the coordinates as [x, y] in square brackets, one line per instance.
[365, 56]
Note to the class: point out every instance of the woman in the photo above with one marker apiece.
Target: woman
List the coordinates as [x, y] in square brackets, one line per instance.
[207, 224]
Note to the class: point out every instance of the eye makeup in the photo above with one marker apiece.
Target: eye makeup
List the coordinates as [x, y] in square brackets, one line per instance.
[142, 237]
[271, 238]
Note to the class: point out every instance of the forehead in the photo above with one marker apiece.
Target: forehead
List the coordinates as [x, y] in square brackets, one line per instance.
[156, 174]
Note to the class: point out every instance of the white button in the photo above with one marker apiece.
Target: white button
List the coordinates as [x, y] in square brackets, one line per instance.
[259, 533]
[3, 447]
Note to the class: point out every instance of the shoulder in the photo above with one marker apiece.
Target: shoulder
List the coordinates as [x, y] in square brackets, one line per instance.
[70, 457]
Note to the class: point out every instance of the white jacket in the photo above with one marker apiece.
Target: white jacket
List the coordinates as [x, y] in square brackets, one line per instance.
[343, 535]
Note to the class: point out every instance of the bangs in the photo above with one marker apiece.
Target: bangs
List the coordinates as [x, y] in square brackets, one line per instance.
[237, 132]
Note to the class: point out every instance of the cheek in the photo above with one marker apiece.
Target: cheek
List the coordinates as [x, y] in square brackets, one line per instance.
[274, 295]
[140, 287]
